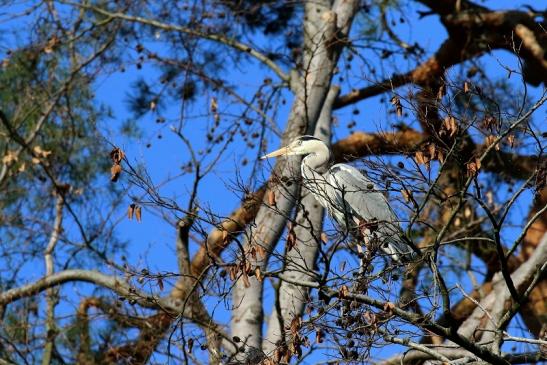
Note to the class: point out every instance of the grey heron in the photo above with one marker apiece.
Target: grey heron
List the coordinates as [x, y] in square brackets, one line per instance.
[349, 197]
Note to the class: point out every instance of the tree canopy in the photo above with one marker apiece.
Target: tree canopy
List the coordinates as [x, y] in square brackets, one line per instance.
[140, 226]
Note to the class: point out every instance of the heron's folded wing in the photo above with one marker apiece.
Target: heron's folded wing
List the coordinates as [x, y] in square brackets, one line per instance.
[358, 194]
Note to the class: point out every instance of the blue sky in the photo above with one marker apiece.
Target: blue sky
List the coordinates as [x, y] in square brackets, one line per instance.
[166, 155]
[151, 243]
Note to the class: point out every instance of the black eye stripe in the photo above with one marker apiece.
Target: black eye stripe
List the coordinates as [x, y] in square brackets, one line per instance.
[308, 138]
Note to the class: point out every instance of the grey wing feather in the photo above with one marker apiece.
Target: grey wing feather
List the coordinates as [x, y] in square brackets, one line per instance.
[352, 192]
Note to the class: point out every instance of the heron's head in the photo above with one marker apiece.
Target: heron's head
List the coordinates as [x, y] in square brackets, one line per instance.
[303, 145]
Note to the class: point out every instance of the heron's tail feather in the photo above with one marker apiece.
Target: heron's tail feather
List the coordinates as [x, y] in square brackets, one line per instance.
[393, 244]
[400, 251]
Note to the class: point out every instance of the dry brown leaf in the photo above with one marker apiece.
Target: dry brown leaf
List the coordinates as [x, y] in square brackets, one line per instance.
[246, 281]
[35, 161]
[233, 272]
[117, 155]
[344, 291]
[432, 150]
[490, 140]
[407, 195]
[466, 87]
[296, 323]
[280, 354]
[40, 152]
[467, 212]
[190, 344]
[277, 355]
[224, 237]
[420, 158]
[51, 43]
[286, 357]
[258, 274]
[369, 317]
[441, 92]
[131, 211]
[440, 156]
[396, 102]
[490, 122]
[473, 167]
[138, 213]
[319, 336]
[324, 238]
[115, 172]
[291, 239]
[292, 349]
[449, 123]
[388, 307]
[453, 126]
[22, 167]
[10, 157]
[160, 283]
[261, 251]
[214, 105]
[490, 197]
[511, 140]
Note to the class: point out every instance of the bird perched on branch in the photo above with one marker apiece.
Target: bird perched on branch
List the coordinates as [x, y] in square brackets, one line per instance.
[350, 197]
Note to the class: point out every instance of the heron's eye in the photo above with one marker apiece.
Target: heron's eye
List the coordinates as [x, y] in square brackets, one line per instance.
[299, 143]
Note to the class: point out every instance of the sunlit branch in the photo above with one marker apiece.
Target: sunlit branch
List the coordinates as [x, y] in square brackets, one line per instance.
[51, 294]
[413, 345]
[113, 283]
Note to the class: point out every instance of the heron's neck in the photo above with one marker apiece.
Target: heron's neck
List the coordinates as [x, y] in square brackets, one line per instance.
[317, 161]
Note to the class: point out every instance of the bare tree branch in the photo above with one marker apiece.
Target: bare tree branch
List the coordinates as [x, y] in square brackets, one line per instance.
[113, 283]
[177, 28]
[51, 294]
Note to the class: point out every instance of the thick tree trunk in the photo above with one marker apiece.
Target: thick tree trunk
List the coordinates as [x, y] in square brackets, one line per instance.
[325, 29]
[534, 311]
[496, 302]
[300, 261]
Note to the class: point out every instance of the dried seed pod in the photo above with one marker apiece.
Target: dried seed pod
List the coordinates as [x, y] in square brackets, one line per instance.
[115, 172]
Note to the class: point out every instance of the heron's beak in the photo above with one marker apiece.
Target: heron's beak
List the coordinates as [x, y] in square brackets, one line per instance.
[280, 152]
